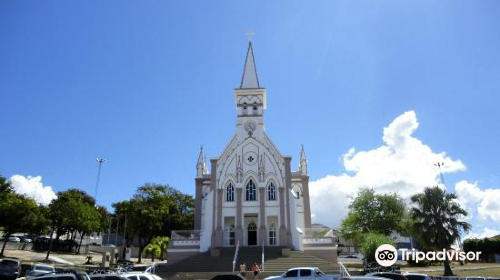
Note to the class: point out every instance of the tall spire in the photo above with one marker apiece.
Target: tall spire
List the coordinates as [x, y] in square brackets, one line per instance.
[201, 167]
[302, 161]
[249, 79]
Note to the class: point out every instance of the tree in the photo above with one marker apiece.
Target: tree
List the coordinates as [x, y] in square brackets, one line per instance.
[155, 210]
[371, 242]
[5, 186]
[436, 216]
[74, 211]
[19, 213]
[373, 213]
[153, 250]
[162, 243]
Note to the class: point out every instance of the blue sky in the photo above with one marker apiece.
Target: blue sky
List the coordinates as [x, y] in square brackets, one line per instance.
[145, 83]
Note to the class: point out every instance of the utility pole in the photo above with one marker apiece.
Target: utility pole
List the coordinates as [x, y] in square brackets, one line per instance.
[100, 161]
[439, 165]
[116, 231]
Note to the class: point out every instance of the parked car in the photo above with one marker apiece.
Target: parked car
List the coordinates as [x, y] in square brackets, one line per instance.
[26, 239]
[137, 275]
[228, 277]
[388, 275]
[39, 269]
[363, 278]
[109, 276]
[14, 239]
[9, 268]
[302, 273]
[67, 275]
[417, 276]
[62, 276]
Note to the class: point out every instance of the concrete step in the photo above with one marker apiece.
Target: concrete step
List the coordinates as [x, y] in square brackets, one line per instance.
[274, 263]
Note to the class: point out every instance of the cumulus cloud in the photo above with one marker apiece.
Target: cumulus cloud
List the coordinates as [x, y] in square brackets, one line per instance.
[487, 232]
[487, 201]
[33, 187]
[403, 164]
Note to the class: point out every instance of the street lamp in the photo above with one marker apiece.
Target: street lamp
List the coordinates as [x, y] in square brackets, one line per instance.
[100, 161]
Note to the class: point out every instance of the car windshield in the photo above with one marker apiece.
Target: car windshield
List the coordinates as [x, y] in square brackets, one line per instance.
[44, 268]
[319, 273]
[8, 262]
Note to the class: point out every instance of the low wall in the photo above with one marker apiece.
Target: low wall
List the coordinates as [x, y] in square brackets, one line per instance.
[17, 246]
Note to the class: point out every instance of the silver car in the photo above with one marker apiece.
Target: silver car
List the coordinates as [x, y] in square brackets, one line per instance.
[39, 269]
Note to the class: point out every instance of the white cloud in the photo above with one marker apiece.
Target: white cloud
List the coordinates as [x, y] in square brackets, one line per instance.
[403, 164]
[33, 187]
[487, 232]
[486, 201]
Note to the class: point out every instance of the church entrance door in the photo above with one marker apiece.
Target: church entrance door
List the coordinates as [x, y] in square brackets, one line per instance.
[252, 234]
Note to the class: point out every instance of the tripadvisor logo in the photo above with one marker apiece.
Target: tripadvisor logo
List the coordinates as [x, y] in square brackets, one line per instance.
[386, 255]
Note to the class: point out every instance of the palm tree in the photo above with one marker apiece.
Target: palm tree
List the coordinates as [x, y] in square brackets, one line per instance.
[436, 216]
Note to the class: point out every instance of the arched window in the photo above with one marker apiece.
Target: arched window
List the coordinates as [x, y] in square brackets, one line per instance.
[271, 191]
[250, 191]
[244, 108]
[272, 235]
[230, 192]
[252, 226]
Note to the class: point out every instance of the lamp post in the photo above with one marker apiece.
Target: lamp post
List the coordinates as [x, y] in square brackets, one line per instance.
[100, 161]
[439, 165]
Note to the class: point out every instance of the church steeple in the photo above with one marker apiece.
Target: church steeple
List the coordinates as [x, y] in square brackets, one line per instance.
[201, 166]
[249, 80]
[302, 161]
[250, 99]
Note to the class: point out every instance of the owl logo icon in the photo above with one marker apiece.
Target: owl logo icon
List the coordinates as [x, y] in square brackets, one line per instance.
[386, 255]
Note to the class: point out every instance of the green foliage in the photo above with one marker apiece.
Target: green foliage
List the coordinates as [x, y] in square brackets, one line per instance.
[74, 211]
[373, 213]
[437, 218]
[157, 247]
[18, 214]
[153, 251]
[370, 243]
[486, 245]
[155, 210]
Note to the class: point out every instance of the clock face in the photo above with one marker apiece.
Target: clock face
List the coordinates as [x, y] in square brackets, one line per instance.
[250, 126]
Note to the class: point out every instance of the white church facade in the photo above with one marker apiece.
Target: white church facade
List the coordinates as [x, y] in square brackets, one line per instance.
[251, 196]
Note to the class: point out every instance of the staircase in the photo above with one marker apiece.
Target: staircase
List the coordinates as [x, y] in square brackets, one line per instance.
[274, 264]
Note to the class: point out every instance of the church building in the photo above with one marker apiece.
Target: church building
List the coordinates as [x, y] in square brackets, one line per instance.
[251, 196]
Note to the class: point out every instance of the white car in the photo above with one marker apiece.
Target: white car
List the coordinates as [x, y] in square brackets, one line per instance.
[302, 273]
[39, 269]
[417, 276]
[14, 239]
[137, 275]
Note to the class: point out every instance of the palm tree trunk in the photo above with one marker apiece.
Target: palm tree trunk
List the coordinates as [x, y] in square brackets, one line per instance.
[447, 267]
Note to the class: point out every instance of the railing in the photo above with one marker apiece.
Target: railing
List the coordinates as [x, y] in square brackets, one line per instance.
[185, 235]
[343, 271]
[262, 261]
[236, 254]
